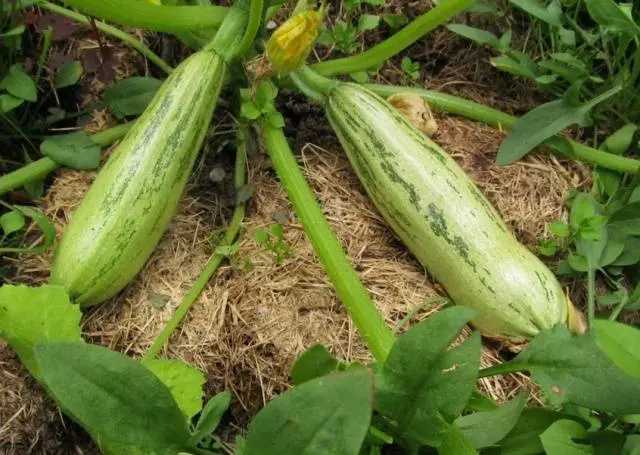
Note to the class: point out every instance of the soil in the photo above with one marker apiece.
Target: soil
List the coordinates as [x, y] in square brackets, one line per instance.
[256, 316]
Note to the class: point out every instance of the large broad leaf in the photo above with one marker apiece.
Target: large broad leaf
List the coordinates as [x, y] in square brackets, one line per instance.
[560, 439]
[29, 316]
[314, 363]
[416, 393]
[131, 96]
[484, 429]
[524, 437]
[544, 122]
[183, 381]
[573, 369]
[75, 150]
[610, 15]
[114, 397]
[621, 342]
[330, 414]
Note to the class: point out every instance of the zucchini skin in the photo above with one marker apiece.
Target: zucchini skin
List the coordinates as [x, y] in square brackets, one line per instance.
[130, 204]
[446, 222]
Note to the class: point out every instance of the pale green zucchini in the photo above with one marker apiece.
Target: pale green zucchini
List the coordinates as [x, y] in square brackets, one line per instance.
[444, 220]
[129, 206]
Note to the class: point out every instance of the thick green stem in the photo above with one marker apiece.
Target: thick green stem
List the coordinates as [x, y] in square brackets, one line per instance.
[349, 288]
[476, 111]
[44, 166]
[215, 260]
[315, 81]
[115, 32]
[226, 42]
[142, 14]
[378, 54]
[253, 27]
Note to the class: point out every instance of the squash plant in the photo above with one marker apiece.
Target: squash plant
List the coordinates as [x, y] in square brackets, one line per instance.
[420, 394]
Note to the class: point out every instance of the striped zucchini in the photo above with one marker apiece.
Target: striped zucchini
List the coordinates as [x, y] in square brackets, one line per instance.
[444, 220]
[130, 204]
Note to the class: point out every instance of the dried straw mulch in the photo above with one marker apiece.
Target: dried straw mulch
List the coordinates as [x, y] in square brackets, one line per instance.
[252, 322]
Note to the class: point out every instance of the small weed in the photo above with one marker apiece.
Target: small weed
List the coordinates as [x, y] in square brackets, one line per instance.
[272, 239]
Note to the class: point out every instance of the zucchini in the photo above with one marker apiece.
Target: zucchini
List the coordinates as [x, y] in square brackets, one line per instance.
[444, 220]
[129, 206]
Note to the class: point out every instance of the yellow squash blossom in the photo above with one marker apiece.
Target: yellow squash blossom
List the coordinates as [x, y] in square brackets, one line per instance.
[290, 44]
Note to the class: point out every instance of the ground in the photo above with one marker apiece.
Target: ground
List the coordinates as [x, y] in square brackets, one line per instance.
[256, 316]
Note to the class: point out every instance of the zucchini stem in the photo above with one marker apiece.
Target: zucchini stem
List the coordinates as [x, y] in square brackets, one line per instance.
[253, 27]
[142, 14]
[349, 288]
[113, 31]
[493, 117]
[225, 43]
[214, 261]
[44, 166]
[382, 52]
[317, 86]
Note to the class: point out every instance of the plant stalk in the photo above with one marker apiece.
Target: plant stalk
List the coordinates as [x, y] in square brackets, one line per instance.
[113, 31]
[349, 288]
[226, 41]
[44, 166]
[382, 52]
[253, 27]
[142, 14]
[493, 117]
[216, 259]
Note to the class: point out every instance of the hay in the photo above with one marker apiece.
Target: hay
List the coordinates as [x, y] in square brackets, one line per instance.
[253, 321]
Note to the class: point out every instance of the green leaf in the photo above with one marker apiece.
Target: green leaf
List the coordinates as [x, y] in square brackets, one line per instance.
[611, 16]
[32, 315]
[548, 247]
[44, 224]
[395, 21]
[276, 120]
[19, 84]
[15, 31]
[550, 15]
[484, 429]
[454, 441]
[481, 402]
[560, 228]
[75, 150]
[368, 22]
[414, 393]
[69, 74]
[620, 342]
[558, 439]
[631, 253]
[476, 34]
[620, 141]
[183, 381]
[512, 66]
[9, 102]
[330, 414]
[250, 111]
[632, 446]
[524, 437]
[114, 397]
[228, 250]
[544, 122]
[265, 95]
[315, 362]
[605, 442]
[480, 8]
[211, 416]
[362, 77]
[580, 373]
[627, 219]
[12, 221]
[131, 96]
